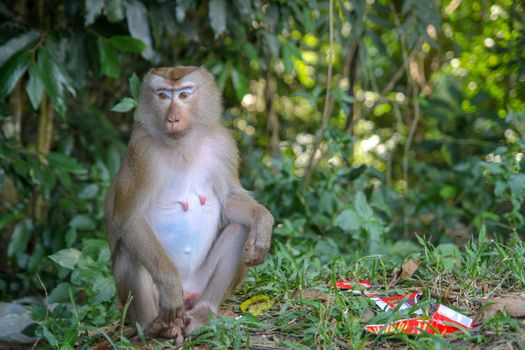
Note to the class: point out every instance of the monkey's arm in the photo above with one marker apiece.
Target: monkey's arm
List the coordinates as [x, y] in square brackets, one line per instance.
[125, 215]
[240, 207]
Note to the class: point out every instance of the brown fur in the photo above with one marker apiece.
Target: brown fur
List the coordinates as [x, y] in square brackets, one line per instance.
[173, 73]
[141, 265]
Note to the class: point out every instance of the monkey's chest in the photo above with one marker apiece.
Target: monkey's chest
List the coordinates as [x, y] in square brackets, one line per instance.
[186, 225]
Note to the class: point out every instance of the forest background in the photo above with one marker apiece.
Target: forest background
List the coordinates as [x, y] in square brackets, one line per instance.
[375, 131]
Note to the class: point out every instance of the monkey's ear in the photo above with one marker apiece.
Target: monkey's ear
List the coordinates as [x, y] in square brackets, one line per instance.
[174, 73]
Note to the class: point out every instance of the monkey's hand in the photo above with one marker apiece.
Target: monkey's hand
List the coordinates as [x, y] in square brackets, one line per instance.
[172, 312]
[259, 238]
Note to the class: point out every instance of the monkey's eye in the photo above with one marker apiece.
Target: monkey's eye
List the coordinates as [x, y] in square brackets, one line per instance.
[164, 94]
[185, 92]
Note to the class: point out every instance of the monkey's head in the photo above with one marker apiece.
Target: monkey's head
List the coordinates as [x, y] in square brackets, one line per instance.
[174, 100]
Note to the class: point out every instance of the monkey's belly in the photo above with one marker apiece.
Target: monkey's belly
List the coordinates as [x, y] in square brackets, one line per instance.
[187, 229]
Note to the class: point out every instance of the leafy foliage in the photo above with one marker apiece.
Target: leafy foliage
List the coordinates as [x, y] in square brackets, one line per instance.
[425, 138]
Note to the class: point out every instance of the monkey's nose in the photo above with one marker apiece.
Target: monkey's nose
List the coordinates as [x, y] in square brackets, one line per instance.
[173, 118]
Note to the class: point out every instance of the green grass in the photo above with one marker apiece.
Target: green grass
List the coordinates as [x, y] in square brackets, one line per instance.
[329, 318]
[309, 313]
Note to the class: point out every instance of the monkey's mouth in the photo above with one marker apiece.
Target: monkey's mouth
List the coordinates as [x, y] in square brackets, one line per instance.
[175, 126]
[176, 134]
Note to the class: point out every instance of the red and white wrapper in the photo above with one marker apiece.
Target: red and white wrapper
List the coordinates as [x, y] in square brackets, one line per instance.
[444, 320]
[384, 302]
[387, 303]
[348, 285]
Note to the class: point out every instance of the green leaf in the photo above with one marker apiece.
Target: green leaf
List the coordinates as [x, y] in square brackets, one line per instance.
[378, 201]
[9, 218]
[60, 294]
[348, 220]
[52, 78]
[449, 254]
[37, 255]
[77, 60]
[361, 205]
[217, 15]
[93, 10]
[13, 70]
[20, 238]
[517, 184]
[16, 44]
[89, 192]
[134, 86]
[494, 168]
[250, 51]
[138, 26]
[500, 187]
[108, 59]
[289, 51]
[114, 10]
[126, 43]
[71, 237]
[49, 337]
[240, 83]
[113, 160]
[67, 258]
[125, 105]
[82, 222]
[448, 192]
[66, 163]
[222, 78]
[34, 87]
[104, 289]
[374, 226]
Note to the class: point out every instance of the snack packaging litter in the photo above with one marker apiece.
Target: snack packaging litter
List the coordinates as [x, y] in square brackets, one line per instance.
[443, 321]
[384, 302]
[348, 285]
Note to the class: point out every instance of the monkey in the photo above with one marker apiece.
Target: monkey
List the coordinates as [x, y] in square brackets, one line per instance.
[182, 230]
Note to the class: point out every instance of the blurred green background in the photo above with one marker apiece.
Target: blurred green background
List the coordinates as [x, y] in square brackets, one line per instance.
[410, 121]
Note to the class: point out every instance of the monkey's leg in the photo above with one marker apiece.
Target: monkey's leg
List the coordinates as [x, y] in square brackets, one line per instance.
[132, 278]
[222, 270]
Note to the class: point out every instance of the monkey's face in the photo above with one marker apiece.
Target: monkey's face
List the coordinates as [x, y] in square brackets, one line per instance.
[174, 100]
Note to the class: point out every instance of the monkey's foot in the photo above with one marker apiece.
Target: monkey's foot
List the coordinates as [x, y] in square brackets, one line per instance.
[197, 317]
[175, 330]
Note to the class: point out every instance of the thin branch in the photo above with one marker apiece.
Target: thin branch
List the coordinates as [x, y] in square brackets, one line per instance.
[46, 303]
[273, 119]
[351, 72]
[417, 112]
[326, 110]
[411, 134]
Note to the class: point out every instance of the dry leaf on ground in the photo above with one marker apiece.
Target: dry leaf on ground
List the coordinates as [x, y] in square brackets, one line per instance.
[406, 270]
[310, 294]
[514, 304]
